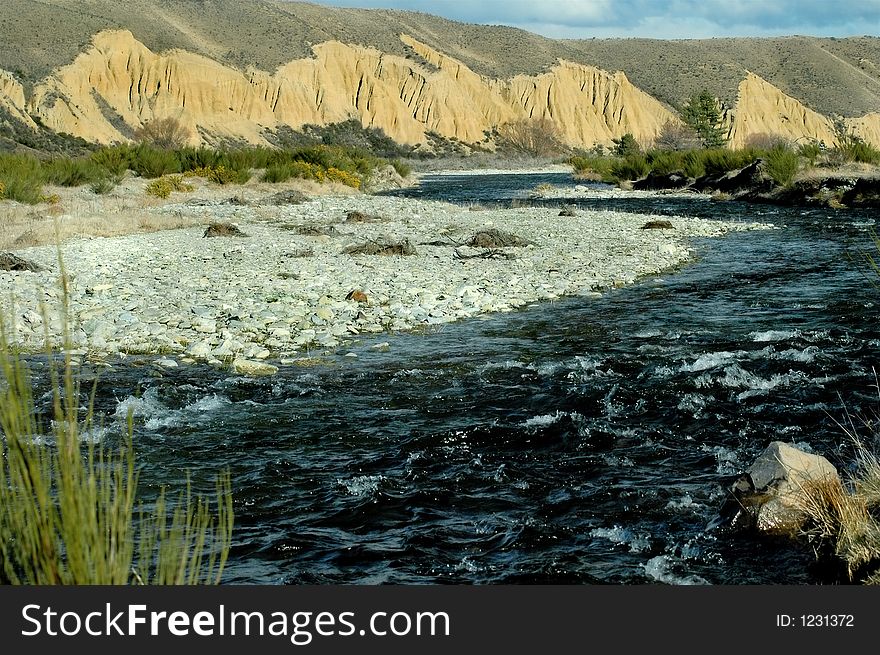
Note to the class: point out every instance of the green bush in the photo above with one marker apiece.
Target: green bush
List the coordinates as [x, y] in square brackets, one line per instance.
[853, 149]
[278, 173]
[22, 179]
[403, 169]
[592, 166]
[723, 160]
[665, 162]
[626, 146]
[632, 167]
[810, 151]
[151, 162]
[192, 159]
[67, 172]
[104, 185]
[113, 159]
[782, 164]
[693, 163]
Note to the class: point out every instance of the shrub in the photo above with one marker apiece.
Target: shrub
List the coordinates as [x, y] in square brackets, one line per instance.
[633, 167]
[114, 159]
[852, 148]
[533, 137]
[104, 185]
[665, 162]
[194, 159]
[765, 141]
[810, 151]
[693, 164]
[403, 169]
[677, 136]
[592, 167]
[221, 174]
[68, 172]
[22, 179]
[162, 187]
[723, 160]
[278, 173]
[782, 163]
[163, 133]
[344, 177]
[151, 162]
[349, 134]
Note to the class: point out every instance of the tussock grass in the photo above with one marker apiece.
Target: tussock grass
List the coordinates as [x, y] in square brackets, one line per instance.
[69, 511]
[844, 518]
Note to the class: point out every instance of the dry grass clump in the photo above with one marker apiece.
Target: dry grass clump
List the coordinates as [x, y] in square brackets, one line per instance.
[843, 520]
[493, 238]
[363, 217]
[311, 230]
[382, 247]
[223, 230]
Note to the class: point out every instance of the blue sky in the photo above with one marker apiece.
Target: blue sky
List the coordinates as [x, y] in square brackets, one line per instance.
[663, 19]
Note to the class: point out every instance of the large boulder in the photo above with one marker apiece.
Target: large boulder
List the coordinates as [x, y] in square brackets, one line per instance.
[770, 496]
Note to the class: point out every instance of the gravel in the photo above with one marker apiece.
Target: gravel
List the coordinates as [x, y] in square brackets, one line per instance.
[277, 294]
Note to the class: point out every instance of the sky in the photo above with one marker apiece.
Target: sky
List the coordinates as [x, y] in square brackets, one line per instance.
[661, 19]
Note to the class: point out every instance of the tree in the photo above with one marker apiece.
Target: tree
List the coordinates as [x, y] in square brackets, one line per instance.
[626, 145]
[703, 114]
[164, 133]
[537, 137]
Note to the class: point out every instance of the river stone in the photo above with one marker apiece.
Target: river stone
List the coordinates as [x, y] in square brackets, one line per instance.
[252, 368]
[200, 350]
[769, 496]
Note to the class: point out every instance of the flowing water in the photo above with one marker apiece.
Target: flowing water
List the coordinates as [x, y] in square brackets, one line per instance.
[578, 441]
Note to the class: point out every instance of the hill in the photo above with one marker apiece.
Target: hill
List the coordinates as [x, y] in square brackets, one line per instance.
[271, 51]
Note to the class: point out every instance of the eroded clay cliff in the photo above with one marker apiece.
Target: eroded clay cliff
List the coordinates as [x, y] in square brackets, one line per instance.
[117, 84]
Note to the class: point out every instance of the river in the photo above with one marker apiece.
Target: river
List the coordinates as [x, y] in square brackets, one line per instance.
[575, 441]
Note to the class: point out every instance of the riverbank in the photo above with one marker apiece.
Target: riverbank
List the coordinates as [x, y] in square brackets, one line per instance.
[289, 289]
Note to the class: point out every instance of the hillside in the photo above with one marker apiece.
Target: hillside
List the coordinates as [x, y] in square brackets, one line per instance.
[291, 63]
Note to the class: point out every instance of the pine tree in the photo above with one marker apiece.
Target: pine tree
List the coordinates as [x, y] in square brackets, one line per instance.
[703, 115]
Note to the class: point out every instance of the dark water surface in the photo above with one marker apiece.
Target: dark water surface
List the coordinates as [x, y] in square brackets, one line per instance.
[579, 441]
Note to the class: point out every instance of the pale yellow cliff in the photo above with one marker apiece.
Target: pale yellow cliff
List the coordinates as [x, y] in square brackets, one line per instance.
[117, 84]
[867, 127]
[761, 108]
[12, 100]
